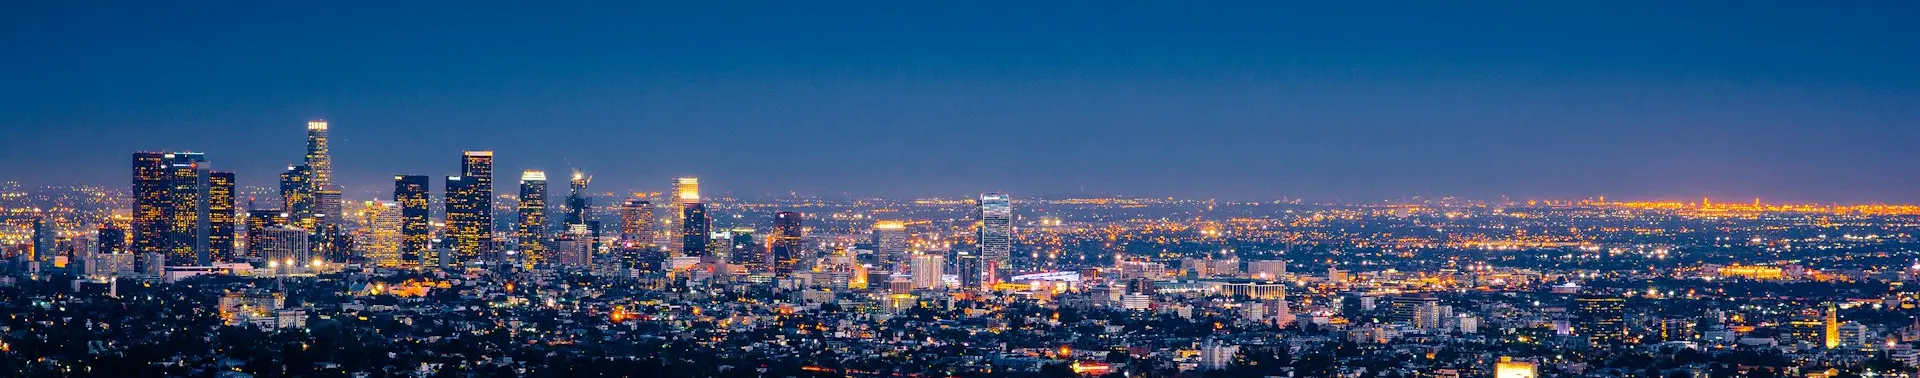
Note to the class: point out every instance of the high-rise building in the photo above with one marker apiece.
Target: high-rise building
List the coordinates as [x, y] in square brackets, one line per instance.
[170, 206]
[297, 197]
[416, 232]
[744, 251]
[470, 207]
[44, 239]
[383, 233]
[1601, 320]
[319, 157]
[685, 190]
[996, 232]
[787, 237]
[579, 205]
[327, 208]
[636, 223]
[220, 217]
[532, 228]
[285, 247]
[112, 240]
[968, 267]
[694, 229]
[927, 270]
[890, 243]
[258, 221]
[1831, 336]
[150, 201]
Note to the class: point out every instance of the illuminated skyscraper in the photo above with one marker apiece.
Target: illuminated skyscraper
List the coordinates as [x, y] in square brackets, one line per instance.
[220, 217]
[470, 207]
[685, 190]
[319, 159]
[170, 206]
[636, 223]
[996, 232]
[1601, 320]
[694, 230]
[788, 233]
[416, 231]
[150, 201]
[1831, 335]
[579, 205]
[258, 221]
[296, 195]
[532, 228]
[382, 244]
[890, 243]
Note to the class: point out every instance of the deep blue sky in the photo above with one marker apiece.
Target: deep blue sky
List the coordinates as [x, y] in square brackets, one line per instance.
[1244, 100]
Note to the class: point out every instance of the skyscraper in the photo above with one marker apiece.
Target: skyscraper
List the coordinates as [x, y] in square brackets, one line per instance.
[694, 230]
[579, 207]
[150, 201]
[170, 206]
[890, 243]
[383, 233]
[416, 233]
[43, 239]
[319, 159]
[788, 233]
[296, 195]
[996, 232]
[532, 228]
[220, 217]
[319, 162]
[1830, 337]
[744, 251]
[470, 207]
[685, 190]
[1601, 320]
[636, 223]
[258, 221]
[112, 240]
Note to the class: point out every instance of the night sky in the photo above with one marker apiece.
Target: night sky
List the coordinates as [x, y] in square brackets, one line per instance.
[1338, 100]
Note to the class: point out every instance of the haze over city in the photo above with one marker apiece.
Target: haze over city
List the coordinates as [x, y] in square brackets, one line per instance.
[1262, 101]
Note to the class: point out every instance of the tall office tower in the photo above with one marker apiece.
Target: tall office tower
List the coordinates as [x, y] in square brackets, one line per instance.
[327, 209]
[694, 230]
[258, 221]
[996, 232]
[579, 207]
[416, 232]
[470, 207]
[744, 251]
[296, 195]
[967, 266]
[890, 243]
[685, 190]
[927, 270]
[788, 233]
[1601, 320]
[636, 223]
[149, 201]
[220, 217]
[1831, 336]
[532, 229]
[170, 206]
[318, 156]
[383, 233]
[43, 239]
[112, 241]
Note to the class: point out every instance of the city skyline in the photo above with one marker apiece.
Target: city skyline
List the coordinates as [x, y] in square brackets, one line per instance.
[1323, 102]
